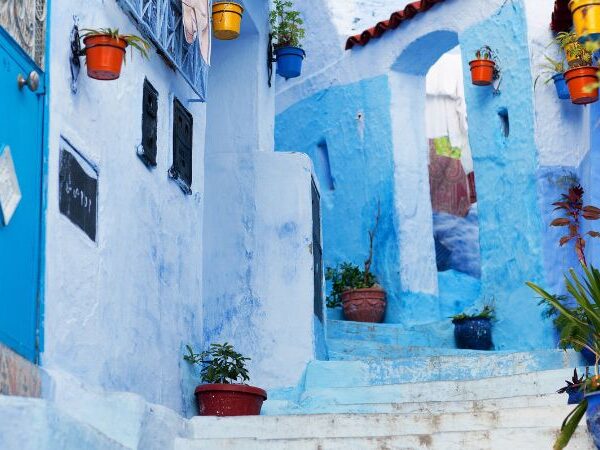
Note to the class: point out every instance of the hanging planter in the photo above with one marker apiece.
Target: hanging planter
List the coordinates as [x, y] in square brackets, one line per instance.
[583, 84]
[575, 53]
[483, 68]
[474, 332]
[586, 18]
[287, 33]
[227, 20]
[562, 91]
[105, 51]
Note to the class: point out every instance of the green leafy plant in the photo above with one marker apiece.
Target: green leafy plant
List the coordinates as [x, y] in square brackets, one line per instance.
[286, 24]
[577, 54]
[551, 68]
[140, 44]
[575, 384]
[486, 53]
[585, 333]
[220, 364]
[346, 277]
[488, 312]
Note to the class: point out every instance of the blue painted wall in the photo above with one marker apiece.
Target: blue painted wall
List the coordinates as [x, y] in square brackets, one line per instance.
[346, 131]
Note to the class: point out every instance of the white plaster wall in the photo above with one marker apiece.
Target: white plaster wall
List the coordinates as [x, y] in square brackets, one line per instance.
[562, 129]
[380, 54]
[118, 312]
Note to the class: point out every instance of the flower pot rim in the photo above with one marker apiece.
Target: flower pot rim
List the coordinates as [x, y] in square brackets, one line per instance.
[482, 62]
[371, 289]
[576, 4]
[216, 5]
[575, 72]
[558, 76]
[120, 43]
[471, 319]
[222, 387]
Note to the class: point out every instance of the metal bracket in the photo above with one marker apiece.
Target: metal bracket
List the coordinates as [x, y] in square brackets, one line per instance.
[270, 59]
[76, 53]
[174, 175]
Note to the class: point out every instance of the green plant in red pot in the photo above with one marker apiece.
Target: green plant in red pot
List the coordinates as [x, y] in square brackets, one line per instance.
[105, 50]
[223, 370]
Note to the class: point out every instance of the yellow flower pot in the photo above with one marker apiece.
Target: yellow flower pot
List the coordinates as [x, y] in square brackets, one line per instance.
[227, 20]
[586, 18]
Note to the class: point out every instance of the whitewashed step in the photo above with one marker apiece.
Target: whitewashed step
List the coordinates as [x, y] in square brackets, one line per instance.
[34, 424]
[374, 425]
[498, 439]
[335, 374]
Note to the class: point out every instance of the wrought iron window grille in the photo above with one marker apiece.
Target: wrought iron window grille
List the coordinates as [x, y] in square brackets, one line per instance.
[161, 22]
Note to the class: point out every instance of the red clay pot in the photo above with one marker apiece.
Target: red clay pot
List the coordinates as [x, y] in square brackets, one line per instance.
[104, 57]
[482, 71]
[577, 79]
[364, 305]
[229, 400]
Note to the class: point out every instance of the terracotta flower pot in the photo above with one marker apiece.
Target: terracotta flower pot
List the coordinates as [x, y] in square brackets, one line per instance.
[104, 57]
[364, 305]
[482, 71]
[578, 81]
[229, 400]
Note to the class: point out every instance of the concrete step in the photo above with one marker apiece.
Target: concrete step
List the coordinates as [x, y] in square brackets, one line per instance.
[374, 425]
[280, 407]
[35, 424]
[469, 366]
[352, 350]
[539, 438]
[436, 334]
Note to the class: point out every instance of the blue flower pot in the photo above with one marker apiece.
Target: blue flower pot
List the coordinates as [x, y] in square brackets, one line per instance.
[575, 396]
[473, 334]
[289, 61]
[561, 86]
[593, 416]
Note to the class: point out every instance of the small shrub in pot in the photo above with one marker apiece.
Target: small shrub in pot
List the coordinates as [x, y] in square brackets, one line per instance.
[474, 331]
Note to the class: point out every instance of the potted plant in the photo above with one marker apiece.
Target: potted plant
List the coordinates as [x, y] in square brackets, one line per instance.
[287, 31]
[105, 50]
[227, 20]
[574, 389]
[581, 78]
[484, 69]
[586, 18]
[474, 331]
[224, 372]
[357, 291]
[556, 70]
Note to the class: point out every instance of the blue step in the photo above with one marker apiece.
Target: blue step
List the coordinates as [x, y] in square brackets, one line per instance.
[436, 334]
[420, 369]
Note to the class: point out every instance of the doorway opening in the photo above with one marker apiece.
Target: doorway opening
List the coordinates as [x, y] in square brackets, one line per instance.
[451, 175]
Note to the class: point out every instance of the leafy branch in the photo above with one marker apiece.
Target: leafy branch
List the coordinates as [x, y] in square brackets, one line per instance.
[286, 24]
[221, 364]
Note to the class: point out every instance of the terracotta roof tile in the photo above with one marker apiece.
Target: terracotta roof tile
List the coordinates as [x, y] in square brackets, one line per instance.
[561, 16]
[395, 20]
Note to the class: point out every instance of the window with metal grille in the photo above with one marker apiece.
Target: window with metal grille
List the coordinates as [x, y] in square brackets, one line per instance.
[183, 124]
[148, 149]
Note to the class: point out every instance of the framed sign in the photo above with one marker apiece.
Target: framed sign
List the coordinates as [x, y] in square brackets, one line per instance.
[10, 193]
[78, 190]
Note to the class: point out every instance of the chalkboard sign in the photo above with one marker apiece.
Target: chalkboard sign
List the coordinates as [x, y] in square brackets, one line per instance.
[78, 190]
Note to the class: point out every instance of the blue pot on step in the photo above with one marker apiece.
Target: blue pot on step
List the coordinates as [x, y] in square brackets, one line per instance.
[593, 416]
[473, 334]
[561, 86]
[289, 61]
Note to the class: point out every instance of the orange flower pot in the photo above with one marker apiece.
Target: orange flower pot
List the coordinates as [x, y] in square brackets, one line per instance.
[482, 71]
[364, 305]
[578, 80]
[104, 56]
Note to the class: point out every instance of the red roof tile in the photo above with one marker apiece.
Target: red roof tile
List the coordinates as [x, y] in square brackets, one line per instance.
[410, 11]
[561, 16]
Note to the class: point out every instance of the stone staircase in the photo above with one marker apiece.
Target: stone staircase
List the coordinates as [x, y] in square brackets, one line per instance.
[375, 392]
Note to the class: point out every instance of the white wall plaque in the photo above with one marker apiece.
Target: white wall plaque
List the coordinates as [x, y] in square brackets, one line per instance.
[10, 193]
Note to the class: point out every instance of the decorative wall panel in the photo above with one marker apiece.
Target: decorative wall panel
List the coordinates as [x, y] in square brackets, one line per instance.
[25, 21]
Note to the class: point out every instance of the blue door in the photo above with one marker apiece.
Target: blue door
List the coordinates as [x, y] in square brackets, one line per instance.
[21, 131]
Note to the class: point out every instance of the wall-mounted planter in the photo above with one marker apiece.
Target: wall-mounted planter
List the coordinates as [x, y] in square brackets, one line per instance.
[104, 56]
[289, 61]
[229, 400]
[473, 333]
[482, 71]
[561, 86]
[364, 305]
[586, 18]
[593, 416]
[578, 80]
[227, 20]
